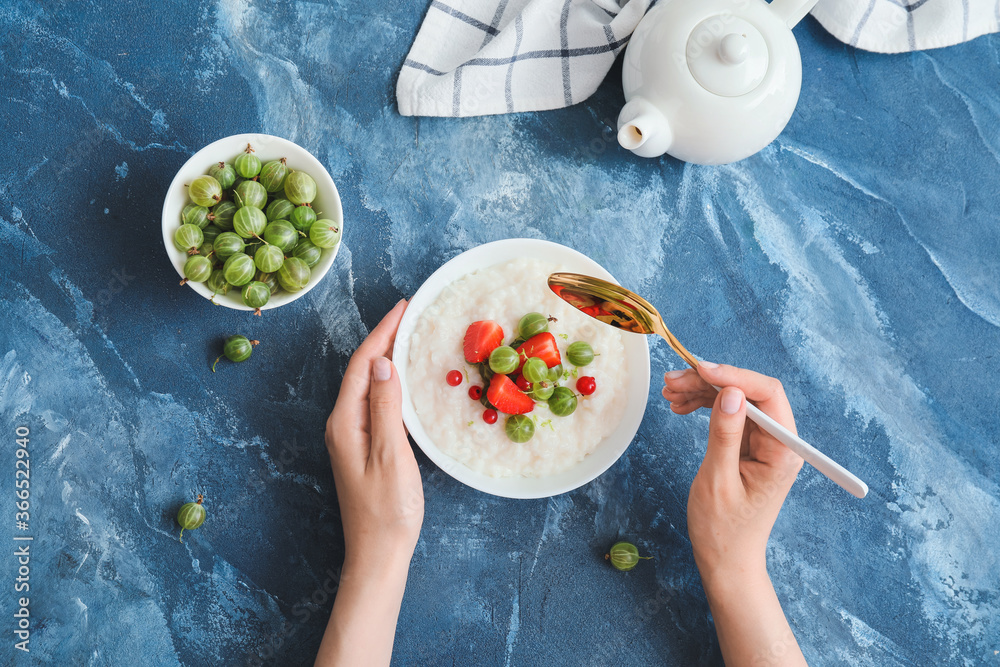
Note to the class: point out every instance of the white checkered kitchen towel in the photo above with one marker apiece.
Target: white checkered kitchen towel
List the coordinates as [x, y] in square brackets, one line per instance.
[478, 57]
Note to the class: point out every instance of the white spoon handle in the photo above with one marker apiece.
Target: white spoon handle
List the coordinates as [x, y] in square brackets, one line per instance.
[838, 473]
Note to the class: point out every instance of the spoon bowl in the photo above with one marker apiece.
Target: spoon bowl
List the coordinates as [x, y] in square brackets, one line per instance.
[624, 309]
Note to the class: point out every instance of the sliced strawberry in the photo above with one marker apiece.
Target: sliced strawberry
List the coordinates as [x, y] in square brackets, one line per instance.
[481, 338]
[543, 346]
[507, 398]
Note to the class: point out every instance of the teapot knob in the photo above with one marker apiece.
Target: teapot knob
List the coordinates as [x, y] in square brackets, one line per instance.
[733, 48]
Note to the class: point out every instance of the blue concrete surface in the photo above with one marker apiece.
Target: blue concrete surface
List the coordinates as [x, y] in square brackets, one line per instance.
[857, 258]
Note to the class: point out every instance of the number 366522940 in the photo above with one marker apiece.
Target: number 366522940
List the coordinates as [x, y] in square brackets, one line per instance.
[22, 473]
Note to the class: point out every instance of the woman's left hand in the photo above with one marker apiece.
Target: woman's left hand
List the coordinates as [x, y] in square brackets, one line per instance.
[378, 483]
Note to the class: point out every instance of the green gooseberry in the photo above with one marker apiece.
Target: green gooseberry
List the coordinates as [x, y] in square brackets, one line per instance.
[294, 274]
[280, 233]
[580, 353]
[302, 218]
[256, 294]
[519, 428]
[531, 324]
[239, 269]
[246, 163]
[228, 243]
[268, 258]
[555, 373]
[250, 193]
[237, 348]
[193, 214]
[307, 251]
[205, 191]
[222, 215]
[562, 402]
[188, 238]
[191, 515]
[624, 556]
[272, 175]
[504, 360]
[197, 269]
[535, 370]
[324, 233]
[279, 209]
[223, 173]
[300, 188]
[542, 391]
[249, 221]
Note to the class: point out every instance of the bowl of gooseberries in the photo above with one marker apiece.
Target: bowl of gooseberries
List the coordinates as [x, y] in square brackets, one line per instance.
[252, 222]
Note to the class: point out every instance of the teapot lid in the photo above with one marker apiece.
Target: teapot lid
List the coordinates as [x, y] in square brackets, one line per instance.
[727, 55]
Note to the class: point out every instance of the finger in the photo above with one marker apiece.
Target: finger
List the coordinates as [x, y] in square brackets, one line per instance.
[386, 405]
[686, 407]
[357, 377]
[725, 436]
[705, 400]
[707, 397]
[685, 381]
[765, 392]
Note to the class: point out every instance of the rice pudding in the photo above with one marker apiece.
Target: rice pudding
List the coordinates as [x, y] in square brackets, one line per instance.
[503, 294]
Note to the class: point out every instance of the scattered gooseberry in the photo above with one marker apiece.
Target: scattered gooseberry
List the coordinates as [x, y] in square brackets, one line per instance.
[586, 385]
[624, 556]
[490, 416]
[475, 392]
[454, 378]
[191, 515]
[237, 348]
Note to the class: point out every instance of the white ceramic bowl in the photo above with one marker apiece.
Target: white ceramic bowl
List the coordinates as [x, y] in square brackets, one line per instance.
[637, 384]
[266, 147]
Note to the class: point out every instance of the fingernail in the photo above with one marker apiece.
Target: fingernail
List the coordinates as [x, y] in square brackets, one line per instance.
[707, 364]
[675, 375]
[382, 370]
[732, 401]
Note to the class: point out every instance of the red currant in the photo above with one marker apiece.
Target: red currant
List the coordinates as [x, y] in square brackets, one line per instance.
[490, 416]
[475, 392]
[522, 383]
[454, 378]
[586, 385]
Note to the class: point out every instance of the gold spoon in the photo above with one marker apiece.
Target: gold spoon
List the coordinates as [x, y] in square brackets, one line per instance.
[626, 310]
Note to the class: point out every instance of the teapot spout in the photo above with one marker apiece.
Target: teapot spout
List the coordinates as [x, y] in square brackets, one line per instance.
[792, 11]
[643, 130]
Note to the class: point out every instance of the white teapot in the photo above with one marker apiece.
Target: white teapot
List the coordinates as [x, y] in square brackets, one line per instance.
[711, 81]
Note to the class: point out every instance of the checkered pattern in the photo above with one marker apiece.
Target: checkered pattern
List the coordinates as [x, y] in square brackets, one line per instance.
[479, 57]
[894, 26]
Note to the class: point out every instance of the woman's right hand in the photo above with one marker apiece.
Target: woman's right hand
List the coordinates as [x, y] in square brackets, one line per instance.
[734, 501]
[746, 473]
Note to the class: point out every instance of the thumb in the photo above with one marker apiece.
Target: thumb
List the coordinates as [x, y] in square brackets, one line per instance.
[725, 433]
[385, 401]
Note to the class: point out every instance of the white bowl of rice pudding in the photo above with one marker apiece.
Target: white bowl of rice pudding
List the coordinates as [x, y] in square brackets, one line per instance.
[502, 281]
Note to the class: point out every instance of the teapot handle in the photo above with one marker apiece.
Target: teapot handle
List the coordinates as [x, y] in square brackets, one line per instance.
[792, 11]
